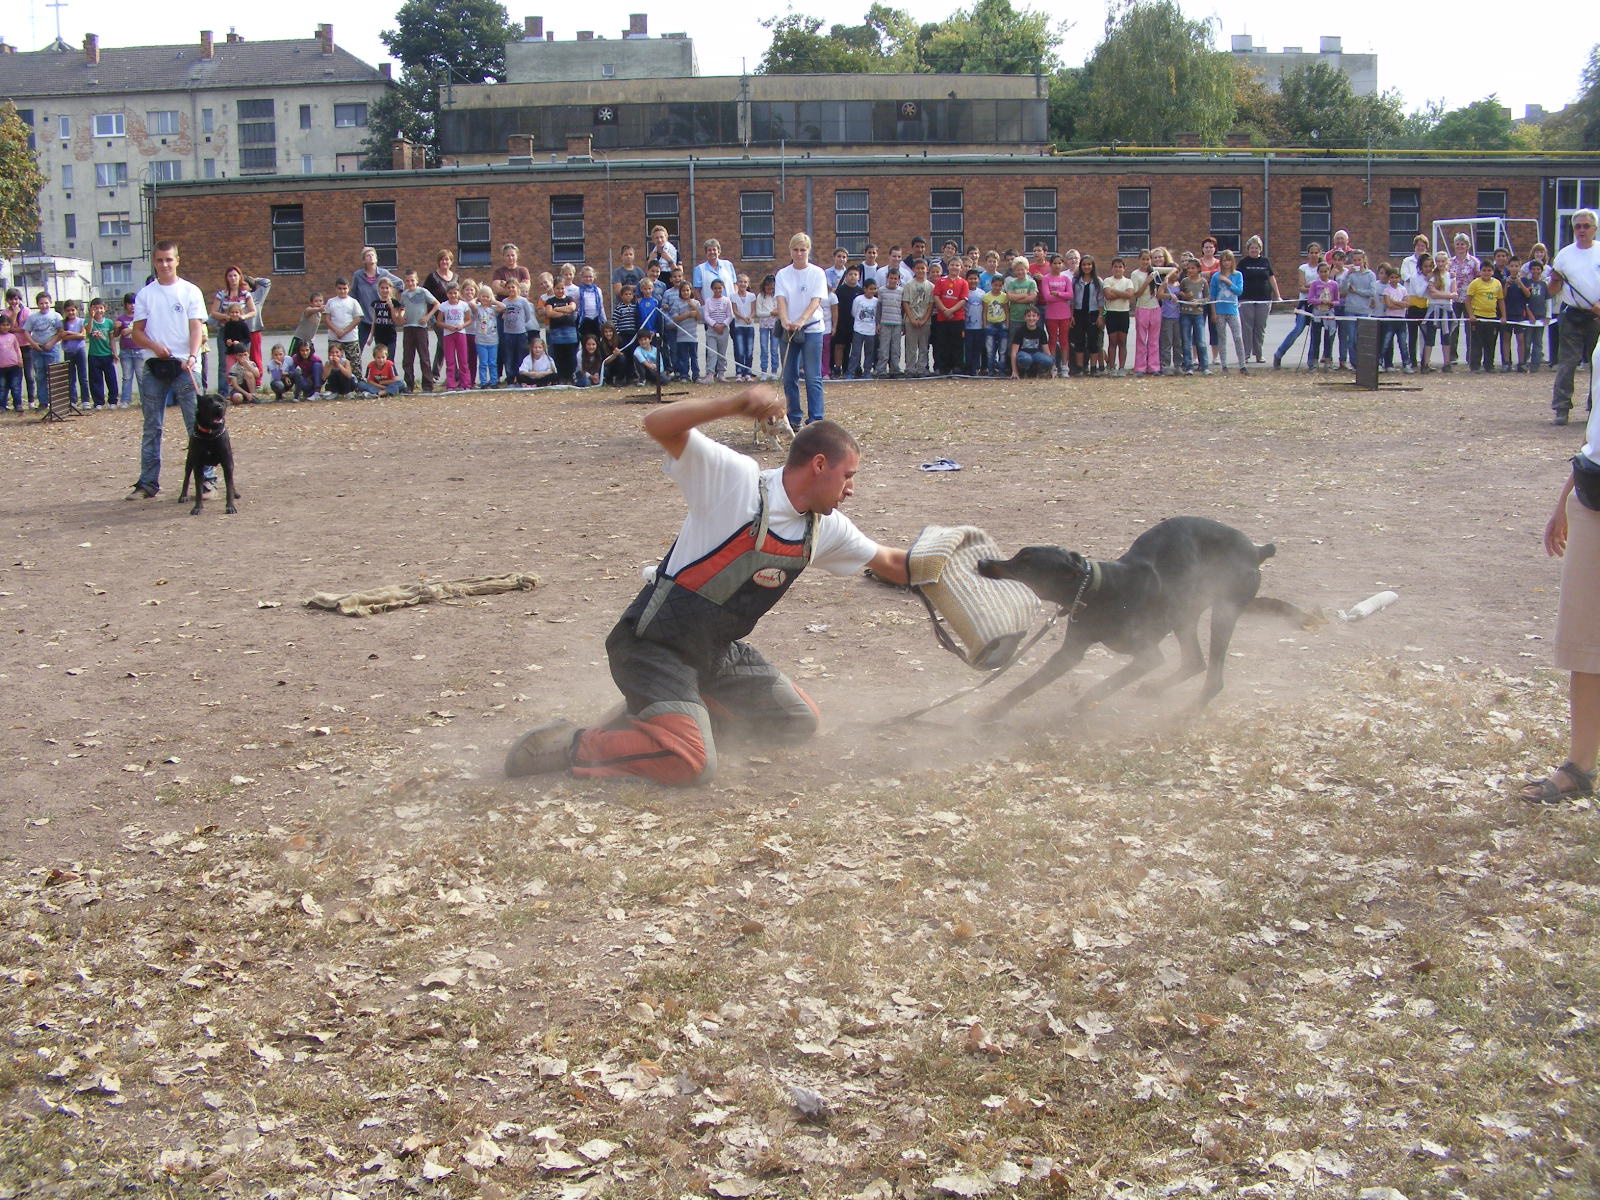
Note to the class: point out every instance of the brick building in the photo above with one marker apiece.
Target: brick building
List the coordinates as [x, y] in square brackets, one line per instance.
[582, 210]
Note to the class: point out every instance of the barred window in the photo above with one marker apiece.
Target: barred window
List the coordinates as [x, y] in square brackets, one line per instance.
[380, 231]
[473, 248]
[945, 214]
[852, 216]
[566, 229]
[661, 208]
[1133, 220]
[755, 225]
[288, 239]
[1316, 217]
[1227, 218]
[1405, 219]
[1039, 218]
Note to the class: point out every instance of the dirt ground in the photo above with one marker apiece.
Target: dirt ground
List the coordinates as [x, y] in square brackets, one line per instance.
[158, 656]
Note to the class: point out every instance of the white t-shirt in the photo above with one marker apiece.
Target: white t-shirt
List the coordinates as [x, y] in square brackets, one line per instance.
[341, 311]
[1582, 269]
[1591, 435]
[166, 310]
[800, 288]
[721, 489]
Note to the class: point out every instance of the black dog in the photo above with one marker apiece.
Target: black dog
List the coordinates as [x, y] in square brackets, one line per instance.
[209, 446]
[1169, 576]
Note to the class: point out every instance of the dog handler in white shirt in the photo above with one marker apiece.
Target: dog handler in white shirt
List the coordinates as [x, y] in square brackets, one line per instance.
[169, 321]
[678, 653]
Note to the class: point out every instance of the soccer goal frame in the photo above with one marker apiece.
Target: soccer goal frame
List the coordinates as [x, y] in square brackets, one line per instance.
[1443, 231]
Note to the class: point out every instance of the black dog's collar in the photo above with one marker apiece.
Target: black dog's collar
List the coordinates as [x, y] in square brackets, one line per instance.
[1094, 579]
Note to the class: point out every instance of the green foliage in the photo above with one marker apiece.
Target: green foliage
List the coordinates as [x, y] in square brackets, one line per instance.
[1481, 125]
[463, 42]
[20, 181]
[1258, 109]
[1577, 127]
[1155, 75]
[1066, 104]
[989, 38]
[1319, 108]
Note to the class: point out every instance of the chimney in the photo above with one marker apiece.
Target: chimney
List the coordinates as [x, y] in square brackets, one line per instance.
[6, 47]
[1331, 45]
[580, 147]
[233, 37]
[400, 155]
[325, 36]
[386, 69]
[207, 48]
[638, 25]
[533, 29]
[91, 49]
[586, 35]
[550, 35]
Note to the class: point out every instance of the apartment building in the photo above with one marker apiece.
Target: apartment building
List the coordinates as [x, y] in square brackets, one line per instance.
[113, 126]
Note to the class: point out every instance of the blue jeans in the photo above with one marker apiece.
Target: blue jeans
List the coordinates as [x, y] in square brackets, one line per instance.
[43, 360]
[808, 354]
[1193, 326]
[11, 386]
[153, 397]
[999, 338]
[130, 375]
[78, 380]
[513, 349]
[488, 363]
[771, 356]
[1301, 320]
[1031, 364]
[744, 345]
[103, 379]
[975, 341]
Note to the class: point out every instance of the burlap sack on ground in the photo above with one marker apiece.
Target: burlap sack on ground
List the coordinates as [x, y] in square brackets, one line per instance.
[403, 595]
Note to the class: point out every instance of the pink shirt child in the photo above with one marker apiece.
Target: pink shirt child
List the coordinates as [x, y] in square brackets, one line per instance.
[1056, 292]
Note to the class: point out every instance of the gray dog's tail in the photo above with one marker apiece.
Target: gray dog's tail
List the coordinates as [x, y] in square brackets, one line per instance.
[1265, 552]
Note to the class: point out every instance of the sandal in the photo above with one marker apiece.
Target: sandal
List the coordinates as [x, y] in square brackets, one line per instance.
[1549, 790]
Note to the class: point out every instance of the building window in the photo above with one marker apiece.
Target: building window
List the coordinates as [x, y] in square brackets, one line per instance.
[755, 225]
[116, 274]
[1405, 219]
[1133, 220]
[852, 215]
[162, 123]
[1492, 202]
[258, 137]
[306, 161]
[32, 243]
[944, 214]
[288, 239]
[305, 116]
[1571, 195]
[566, 228]
[378, 222]
[64, 124]
[108, 125]
[66, 176]
[1316, 217]
[208, 121]
[72, 227]
[1039, 218]
[168, 170]
[1227, 218]
[111, 175]
[208, 168]
[258, 160]
[661, 208]
[25, 115]
[349, 116]
[608, 70]
[113, 225]
[472, 233]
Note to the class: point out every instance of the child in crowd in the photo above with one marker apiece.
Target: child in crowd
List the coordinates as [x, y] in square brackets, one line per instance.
[1030, 349]
[864, 332]
[1112, 313]
[278, 377]
[591, 362]
[625, 324]
[1530, 339]
[235, 335]
[305, 371]
[719, 330]
[972, 323]
[469, 297]
[1439, 322]
[74, 352]
[129, 353]
[18, 312]
[538, 369]
[243, 378]
[305, 330]
[683, 317]
[996, 320]
[518, 323]
[10, 363]
[844, 329]
[385, 329]
[591, 304]
[341, 378]
[767, 327]
[889, 357]
[1395, 303]
[1486, 312]
[486, 334]
[743, 301]
[1322, 296]
[647, 359]
[343, 312]
[1192, 297]
[917, 307]
[102, 355]
[382, 378]
[1227, 285]
[1055, 297]
[455, 318]
[417, 306]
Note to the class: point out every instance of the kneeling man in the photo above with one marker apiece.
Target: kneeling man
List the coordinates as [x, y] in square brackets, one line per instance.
[677, 653]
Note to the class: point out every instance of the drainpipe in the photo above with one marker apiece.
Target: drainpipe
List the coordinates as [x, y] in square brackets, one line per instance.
[1266, 204]
[694, 237]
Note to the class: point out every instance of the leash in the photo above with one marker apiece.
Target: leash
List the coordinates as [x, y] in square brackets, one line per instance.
[1067, 610]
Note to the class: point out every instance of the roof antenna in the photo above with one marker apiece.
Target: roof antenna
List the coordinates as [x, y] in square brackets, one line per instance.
[58, 5]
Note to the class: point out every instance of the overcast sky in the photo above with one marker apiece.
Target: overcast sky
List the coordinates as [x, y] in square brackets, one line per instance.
[1424, 53]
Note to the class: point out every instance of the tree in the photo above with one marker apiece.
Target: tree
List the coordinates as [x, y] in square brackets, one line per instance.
[20, 182]
[992, 38]
[437, 45]
[799, 47]
[1577, 127]
[1481, 125]
[1321, 109]
[1259, 110]
[1155, 75]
